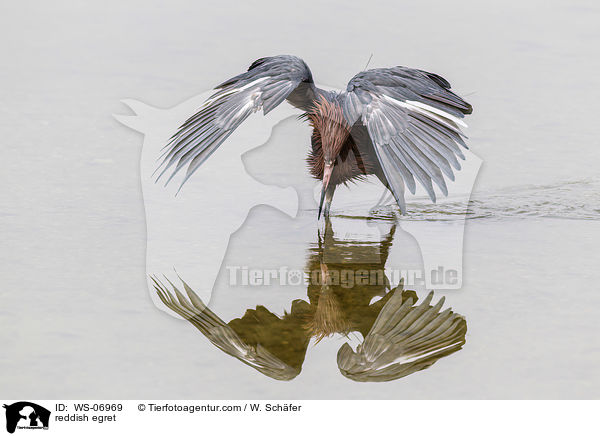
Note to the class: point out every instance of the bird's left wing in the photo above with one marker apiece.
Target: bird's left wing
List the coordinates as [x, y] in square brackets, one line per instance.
[413, 120]
[268, 82]
[222, 335]
[403, 339]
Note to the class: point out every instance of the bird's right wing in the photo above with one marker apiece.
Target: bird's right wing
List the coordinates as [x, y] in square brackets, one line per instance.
[268, 82]
[403, 339]
[220, 334]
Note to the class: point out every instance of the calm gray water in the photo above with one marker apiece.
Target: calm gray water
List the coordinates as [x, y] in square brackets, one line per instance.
[77, 321]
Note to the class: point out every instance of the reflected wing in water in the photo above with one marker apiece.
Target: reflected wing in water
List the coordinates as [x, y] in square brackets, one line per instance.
[221, 334]
[403, 339]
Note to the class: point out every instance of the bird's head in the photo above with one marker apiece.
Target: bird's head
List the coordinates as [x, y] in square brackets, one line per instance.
[332, 132]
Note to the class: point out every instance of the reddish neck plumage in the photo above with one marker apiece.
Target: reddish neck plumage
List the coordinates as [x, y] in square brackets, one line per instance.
[330, 128]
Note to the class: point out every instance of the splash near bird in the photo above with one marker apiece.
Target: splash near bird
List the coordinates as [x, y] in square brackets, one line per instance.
[401, 124]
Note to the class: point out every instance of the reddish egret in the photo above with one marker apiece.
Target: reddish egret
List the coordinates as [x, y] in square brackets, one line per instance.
[398, 123]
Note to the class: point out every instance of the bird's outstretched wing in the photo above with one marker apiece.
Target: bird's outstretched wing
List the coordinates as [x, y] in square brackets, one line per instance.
[413, 120]
[268, 82]
[220, 334]
[403, 339]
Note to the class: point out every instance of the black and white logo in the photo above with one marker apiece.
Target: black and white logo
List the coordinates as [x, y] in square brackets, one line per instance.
[26, 415]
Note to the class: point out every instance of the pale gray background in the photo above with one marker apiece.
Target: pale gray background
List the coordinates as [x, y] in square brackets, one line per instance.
[75, 317]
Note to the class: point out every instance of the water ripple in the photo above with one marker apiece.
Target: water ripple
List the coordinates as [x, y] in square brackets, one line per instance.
[575, 200]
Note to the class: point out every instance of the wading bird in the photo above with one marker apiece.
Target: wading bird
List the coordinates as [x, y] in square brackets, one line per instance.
[398, 123]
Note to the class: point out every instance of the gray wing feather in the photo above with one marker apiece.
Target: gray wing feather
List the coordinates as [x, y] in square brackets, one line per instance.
[220, 334]
[266, 84]
[414, 122]
[403, 339]
[389, 160]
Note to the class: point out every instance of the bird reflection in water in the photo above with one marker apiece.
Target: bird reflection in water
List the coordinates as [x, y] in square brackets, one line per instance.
[400, 336]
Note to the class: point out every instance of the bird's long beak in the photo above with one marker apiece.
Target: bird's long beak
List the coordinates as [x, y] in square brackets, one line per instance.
[326, 176]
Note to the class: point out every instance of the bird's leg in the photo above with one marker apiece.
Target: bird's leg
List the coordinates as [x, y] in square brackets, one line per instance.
[328, 198]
